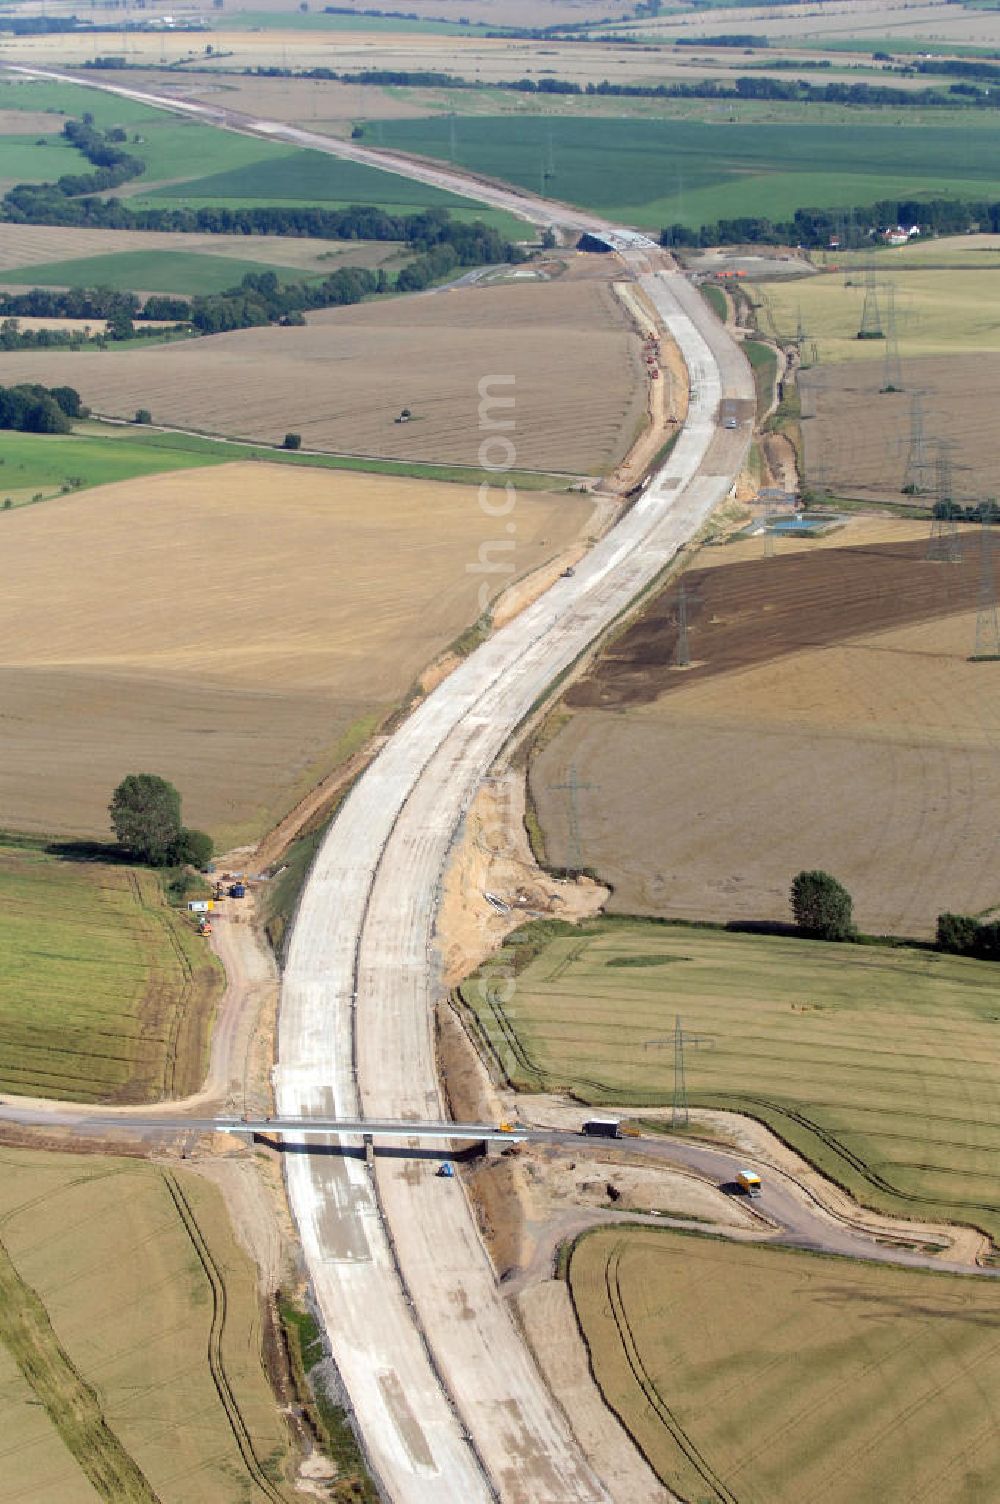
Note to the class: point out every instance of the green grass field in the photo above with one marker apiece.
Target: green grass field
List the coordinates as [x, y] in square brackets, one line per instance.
[875, 1062]
[169, 146]
[317, 20]
[716, 300]
[71, 99]
[764, 363]
[97, 454]
[130, 1339]
[22, 160]
[106, 994]
[174, 148]
[653, 172]
[214, 166]
[303, 176]
[764, 1376]
[181, 272]
[51, 463]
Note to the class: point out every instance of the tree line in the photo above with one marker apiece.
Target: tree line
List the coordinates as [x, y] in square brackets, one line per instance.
[964, 935]
[850, 227]
[257, 300]
[822, 909]
[32, 408]
[797, 90]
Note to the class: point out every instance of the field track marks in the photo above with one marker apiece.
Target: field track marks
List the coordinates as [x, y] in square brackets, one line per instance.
[187, 996]
[216, 1364]
[719, 1490]
[72, 1406]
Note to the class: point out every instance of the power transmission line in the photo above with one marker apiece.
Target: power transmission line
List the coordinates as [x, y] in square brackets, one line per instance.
[871, 316]
[945, 543]
[574, 788]
[915, 474]
[893, 378]
[682, 648]
[680, 1039]
[987, 619]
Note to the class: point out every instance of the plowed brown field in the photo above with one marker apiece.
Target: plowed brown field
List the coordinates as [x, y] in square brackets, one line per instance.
[832, 719]
[233, 629]
[342, 381]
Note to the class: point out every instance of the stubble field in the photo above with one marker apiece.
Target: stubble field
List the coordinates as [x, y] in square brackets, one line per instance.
[343, 379]
[761, 1375]
[874, 1062]
[858, 439]
[106, 994]
[830, 719]
[937, 312]
[123, 1375]
[237, 630]
[149, 261]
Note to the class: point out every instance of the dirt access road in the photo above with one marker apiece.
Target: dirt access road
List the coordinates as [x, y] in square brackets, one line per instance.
[450, 1402]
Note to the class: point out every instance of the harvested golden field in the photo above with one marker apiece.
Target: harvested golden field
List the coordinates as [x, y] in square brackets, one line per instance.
[113, 1275]
[26, 123]
[940, 250]
[937, 313]
[28, 245]
[236, 630]
[858, 441]
[485, 12]
[491, 60]
[762, 1375]
[322, 105]
[342, 381]
[831, 719]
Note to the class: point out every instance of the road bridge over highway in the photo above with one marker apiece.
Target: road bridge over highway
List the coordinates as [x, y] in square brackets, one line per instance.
[372, 1128]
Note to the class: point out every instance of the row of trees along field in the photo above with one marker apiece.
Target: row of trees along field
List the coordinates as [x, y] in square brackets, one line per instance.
[40, 409]
[258, 299]
[747, 86]
[823, 910]
[852, 227]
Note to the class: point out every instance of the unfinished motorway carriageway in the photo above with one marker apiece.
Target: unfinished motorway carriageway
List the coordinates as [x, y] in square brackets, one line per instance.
[449, 1400]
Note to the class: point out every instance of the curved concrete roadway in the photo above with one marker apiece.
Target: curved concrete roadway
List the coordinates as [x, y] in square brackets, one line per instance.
[356, 1018]
[452, 1407]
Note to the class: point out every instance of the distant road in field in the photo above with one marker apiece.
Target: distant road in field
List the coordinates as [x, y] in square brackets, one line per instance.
[450, 1401]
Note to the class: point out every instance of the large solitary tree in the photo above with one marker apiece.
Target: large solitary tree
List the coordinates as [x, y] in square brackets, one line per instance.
[145, 815]
[822, 907]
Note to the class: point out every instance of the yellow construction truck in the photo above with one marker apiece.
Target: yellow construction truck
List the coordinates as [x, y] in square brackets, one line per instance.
[749, 1182]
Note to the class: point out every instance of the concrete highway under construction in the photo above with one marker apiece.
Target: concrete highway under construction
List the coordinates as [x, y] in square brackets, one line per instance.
[451, 1405]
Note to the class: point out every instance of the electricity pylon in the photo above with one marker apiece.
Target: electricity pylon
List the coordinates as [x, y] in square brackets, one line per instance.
[987, 619]
[574, 788]
[680, 1039]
